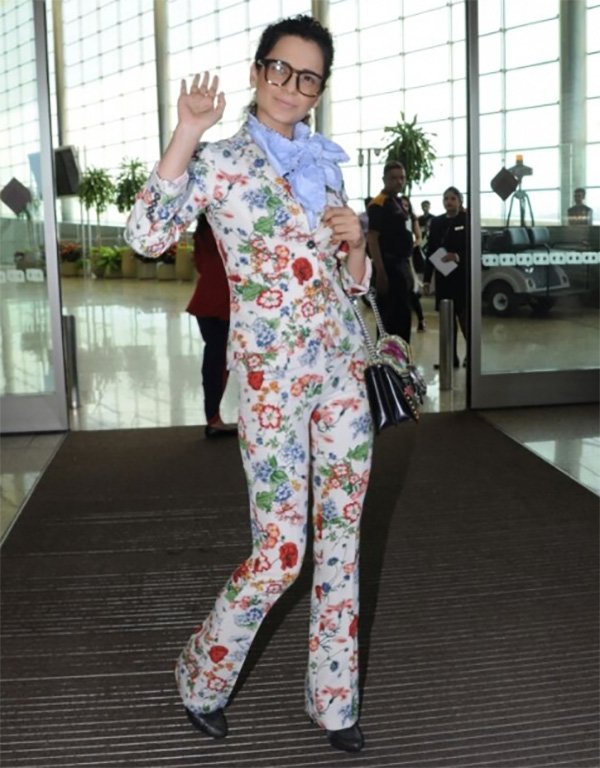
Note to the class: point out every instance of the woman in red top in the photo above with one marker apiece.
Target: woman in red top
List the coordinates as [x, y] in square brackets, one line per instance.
[210, 305]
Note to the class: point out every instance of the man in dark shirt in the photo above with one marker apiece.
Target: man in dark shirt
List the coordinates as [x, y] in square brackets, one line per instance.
[580, 213]
[425, 220]
[390, 243]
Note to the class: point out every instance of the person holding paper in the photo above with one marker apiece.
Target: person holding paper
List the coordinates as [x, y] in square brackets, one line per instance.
[447, 256]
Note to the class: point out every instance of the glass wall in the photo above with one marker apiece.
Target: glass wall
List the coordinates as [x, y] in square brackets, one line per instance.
[32, 387]
[535, 246]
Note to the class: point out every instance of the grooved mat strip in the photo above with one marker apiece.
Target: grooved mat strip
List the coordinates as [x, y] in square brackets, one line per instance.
[479, 589]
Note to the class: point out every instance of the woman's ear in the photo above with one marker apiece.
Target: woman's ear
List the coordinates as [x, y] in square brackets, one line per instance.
[253, 75]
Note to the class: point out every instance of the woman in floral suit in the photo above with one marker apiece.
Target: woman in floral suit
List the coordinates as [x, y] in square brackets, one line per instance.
[293, 252]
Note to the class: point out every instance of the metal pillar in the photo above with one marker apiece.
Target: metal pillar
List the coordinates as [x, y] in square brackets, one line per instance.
[573, 120]
[446, 343]
[70, 352]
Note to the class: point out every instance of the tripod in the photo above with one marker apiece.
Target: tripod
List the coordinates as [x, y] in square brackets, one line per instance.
[524, 203]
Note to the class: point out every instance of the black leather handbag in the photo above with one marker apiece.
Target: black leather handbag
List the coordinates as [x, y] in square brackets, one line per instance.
[395, 387]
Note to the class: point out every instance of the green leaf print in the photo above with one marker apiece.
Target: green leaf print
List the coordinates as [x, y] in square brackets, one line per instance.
[265, 225]
[251, 291]
[264, 500]
[359, 452]
[278, 477]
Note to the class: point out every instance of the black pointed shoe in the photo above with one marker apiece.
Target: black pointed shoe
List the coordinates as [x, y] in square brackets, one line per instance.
[212, 723]
[347, 739]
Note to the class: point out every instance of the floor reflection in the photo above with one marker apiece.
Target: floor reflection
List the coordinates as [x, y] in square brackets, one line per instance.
[139, 361]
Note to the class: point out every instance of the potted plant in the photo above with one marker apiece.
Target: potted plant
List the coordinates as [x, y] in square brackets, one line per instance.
[165, 268]
[130, 179]
[97, 191]
[71, 258]
[106, 261]
[411, 146]
[184, 261]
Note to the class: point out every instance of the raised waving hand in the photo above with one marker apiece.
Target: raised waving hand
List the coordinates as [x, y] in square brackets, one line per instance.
[197, 110]
[203, 105]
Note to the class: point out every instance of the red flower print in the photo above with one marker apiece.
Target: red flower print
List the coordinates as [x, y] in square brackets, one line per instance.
[235, 278]
[270, 417]
[308, 309]
[302, 270]
[288, 554]
[313, 643]
[282, 251]
[270, 299]
[344, 247]
[262, 563]
[352, 511]
[319, 591]
[255, 379]
[241, 572]
[217, 653]
[216, 683]
[353, 627]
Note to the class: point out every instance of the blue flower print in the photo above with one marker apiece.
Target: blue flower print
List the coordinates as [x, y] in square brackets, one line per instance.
[312, 350]
[361, 426]
[329, 510]
[281, 217]
[293, 453]
[265, 335]
[284, 492]
[252, 616]
[262, 471]
[255, 198]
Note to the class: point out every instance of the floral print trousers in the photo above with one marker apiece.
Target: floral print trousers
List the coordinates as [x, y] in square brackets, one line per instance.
[305, 429]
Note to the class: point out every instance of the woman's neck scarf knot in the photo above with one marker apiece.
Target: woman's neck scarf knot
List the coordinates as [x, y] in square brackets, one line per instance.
[309, 163]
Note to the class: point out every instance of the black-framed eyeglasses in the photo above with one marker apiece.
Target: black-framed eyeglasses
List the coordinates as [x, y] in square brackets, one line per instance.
[279, 72]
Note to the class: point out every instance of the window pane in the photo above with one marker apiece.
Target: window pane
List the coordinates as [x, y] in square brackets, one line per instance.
[532, 85]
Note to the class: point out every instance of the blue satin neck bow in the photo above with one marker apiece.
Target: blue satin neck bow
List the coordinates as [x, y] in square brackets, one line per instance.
[309, 162]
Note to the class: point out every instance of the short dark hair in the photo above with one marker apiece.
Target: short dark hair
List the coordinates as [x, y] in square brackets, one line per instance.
[580, 189]
[302, 26]
[391, 166]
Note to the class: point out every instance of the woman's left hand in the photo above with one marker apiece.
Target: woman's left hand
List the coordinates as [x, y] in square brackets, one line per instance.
[451, 257]
[345, 225]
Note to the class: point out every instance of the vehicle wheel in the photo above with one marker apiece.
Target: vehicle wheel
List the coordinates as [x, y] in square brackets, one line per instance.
[501, 298]
[541, 305]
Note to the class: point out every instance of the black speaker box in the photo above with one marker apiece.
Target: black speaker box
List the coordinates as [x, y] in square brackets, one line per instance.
[66, 169]
[16, 196]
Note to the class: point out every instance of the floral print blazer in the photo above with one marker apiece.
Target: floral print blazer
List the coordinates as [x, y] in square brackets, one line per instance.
[288, 283]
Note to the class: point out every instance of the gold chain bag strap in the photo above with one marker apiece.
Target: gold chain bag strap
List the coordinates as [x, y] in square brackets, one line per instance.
[395, 387]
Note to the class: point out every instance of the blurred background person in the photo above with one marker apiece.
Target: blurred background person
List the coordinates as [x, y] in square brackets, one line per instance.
[449, 231]
[210, 306]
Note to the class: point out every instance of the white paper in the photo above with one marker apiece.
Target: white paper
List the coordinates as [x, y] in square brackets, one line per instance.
[445, 267]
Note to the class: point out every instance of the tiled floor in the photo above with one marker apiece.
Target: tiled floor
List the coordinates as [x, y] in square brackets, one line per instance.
[139, 357]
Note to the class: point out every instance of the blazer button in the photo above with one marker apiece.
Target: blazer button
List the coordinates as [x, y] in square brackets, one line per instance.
[311, 244]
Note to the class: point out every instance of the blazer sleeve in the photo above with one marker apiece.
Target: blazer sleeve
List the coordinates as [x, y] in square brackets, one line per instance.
[164, 209]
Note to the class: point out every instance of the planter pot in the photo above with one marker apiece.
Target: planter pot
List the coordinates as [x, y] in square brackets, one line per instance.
[165, 271]
[146, 271]
[110, 274]
[69, 269]
[128, 264]
[184, 264]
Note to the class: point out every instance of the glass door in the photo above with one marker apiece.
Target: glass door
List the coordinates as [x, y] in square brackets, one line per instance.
[533, 109]
[32, 379]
